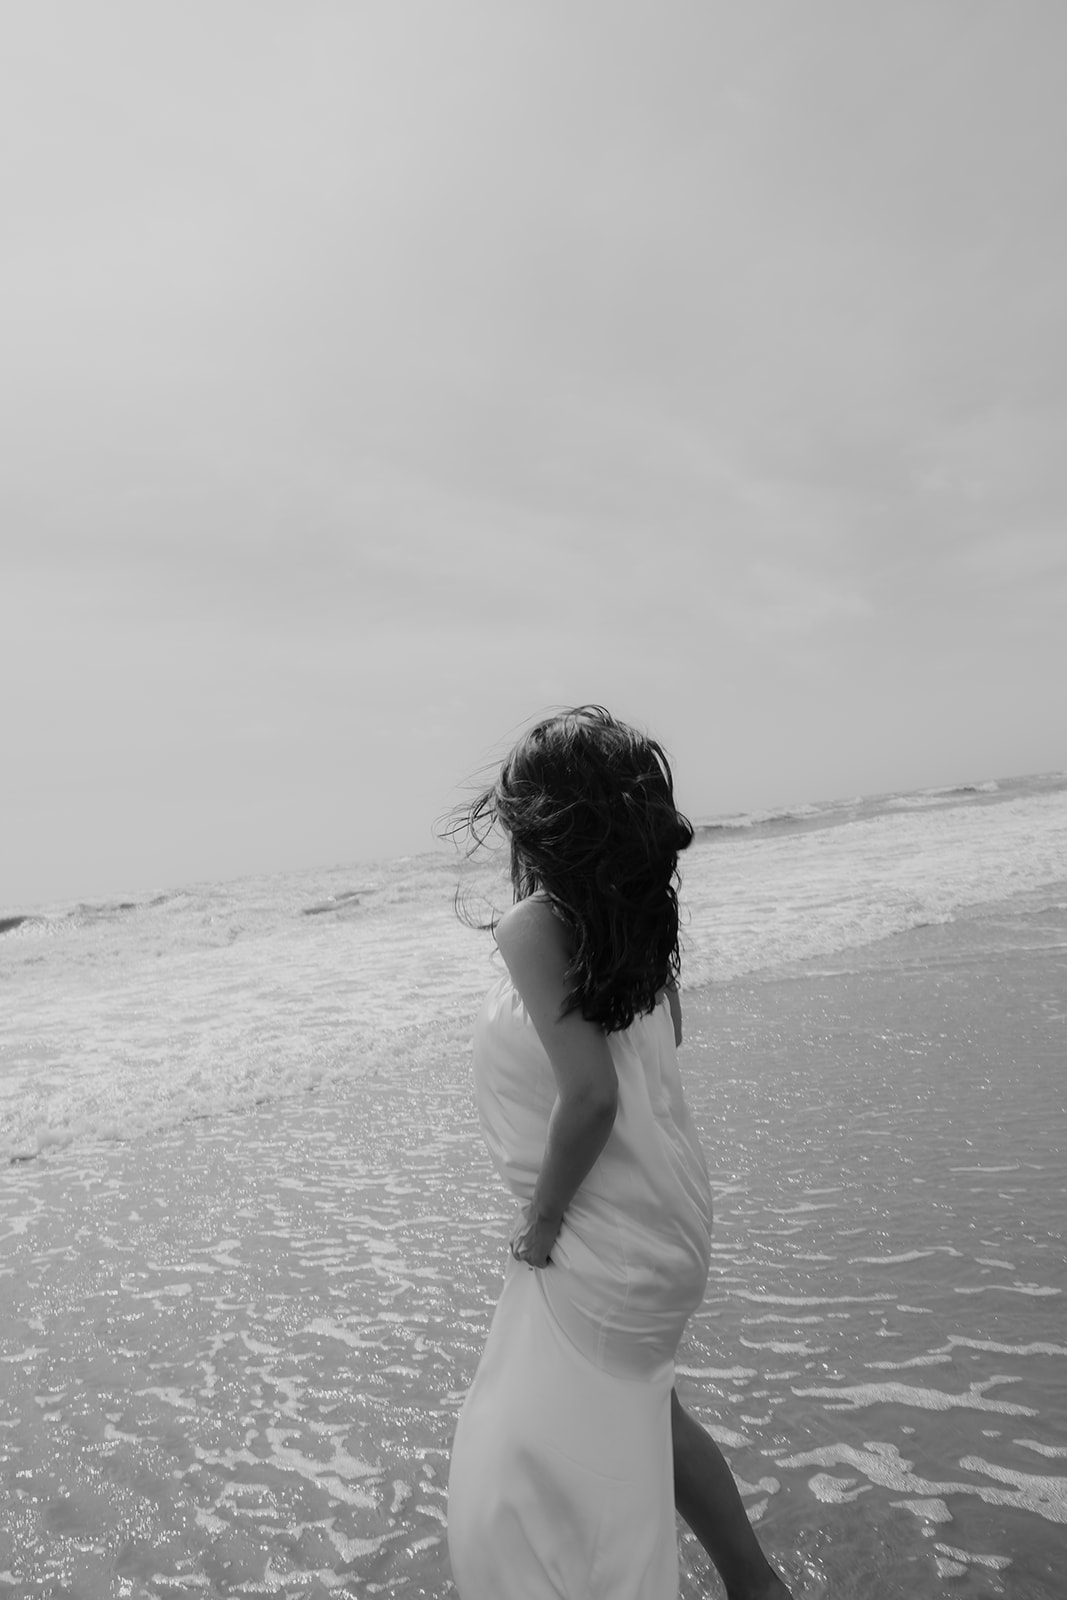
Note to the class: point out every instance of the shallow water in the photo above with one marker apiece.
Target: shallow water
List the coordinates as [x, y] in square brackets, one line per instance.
[233, 1354]
[246, 1276]
[889, 1268]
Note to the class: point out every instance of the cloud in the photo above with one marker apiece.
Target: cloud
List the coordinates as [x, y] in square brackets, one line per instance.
[388, 368]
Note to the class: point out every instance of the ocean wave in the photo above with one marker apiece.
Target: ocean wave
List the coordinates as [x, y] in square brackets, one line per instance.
[946, 795]
[843, 811]
[104, 908]
[742, 821]
[344, 900]
[990, 786]
[917, 802]
[68, 917]
[214, 998]
[761, 901]
[777, 818]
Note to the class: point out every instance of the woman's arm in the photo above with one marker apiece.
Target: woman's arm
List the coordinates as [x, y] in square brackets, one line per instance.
[534, 943]
[675, 1004]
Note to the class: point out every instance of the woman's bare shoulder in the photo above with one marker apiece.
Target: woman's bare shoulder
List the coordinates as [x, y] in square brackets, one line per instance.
[532, 925]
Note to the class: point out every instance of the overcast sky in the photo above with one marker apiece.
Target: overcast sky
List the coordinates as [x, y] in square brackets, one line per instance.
[376, 374]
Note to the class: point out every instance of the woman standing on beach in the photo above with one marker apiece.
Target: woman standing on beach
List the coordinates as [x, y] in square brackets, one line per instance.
[572, 1449]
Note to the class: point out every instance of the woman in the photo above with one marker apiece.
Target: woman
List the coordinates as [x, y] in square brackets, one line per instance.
[572, 1449]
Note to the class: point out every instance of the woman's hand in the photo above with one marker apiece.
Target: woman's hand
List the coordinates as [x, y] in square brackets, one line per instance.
[534, 1238]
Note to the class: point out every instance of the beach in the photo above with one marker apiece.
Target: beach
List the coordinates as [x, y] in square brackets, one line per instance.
[235, 1335]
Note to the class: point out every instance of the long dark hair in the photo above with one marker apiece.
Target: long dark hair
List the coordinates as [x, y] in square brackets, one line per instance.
[587, 805]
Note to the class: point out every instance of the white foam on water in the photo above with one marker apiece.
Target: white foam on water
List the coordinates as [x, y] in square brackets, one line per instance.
[915, 1361]
[781, 1316]
[894, 1261]
[1040, 1290]
[335, 1476]
[836, 1491]
[858, 1395]
[333, 1330]
[766, 1486]
[782, 1347]
[884, 1466]
[222, 998]
[930, 1510]
[727, 1437]
[771, 901]
[225, 995]
[1046, 1495]
[762, 1298]
[1014, 1167]
[725, 1374]
[995, 1563]
[1037, 1348]
[170, 1396]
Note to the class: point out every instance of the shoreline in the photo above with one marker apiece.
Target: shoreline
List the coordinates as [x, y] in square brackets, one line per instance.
[233, 1352]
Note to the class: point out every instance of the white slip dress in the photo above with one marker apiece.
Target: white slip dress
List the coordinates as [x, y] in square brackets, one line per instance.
[561, 1484]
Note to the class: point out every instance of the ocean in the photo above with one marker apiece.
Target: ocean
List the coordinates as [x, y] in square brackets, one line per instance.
[251, 1241]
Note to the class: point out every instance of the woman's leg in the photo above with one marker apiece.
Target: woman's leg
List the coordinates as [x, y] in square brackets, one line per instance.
[707, 1497]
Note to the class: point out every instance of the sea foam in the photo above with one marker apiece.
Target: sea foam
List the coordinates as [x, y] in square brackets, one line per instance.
[129, 1016]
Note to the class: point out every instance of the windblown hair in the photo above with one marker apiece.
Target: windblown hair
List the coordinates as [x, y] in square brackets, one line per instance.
[587, 805]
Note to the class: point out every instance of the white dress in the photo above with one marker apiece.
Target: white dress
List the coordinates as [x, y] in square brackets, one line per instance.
[561, 1485]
